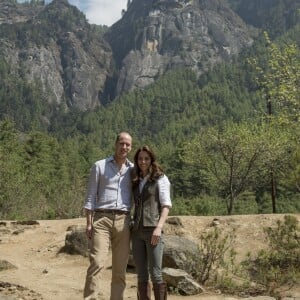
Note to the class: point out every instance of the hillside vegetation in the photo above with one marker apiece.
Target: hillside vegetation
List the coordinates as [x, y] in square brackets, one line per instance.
[228, 140]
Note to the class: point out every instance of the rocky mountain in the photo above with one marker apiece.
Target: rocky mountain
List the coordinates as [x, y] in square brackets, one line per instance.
[11, 12]
[158, 35]
[78, 66]
[55, 45]
[274, 16]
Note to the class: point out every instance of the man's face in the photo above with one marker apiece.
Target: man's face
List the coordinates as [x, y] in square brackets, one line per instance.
[123, 146]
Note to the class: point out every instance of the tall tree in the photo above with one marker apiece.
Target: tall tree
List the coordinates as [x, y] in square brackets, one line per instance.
[229, 156]
[279, 82]
[238, 156]
[14, 188]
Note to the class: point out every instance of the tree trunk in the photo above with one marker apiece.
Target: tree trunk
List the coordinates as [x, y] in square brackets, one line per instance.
[273, 185]
[273, 192]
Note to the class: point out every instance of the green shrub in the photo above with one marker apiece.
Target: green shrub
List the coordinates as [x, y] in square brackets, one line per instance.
[199, 206]
[245, 204]
[216, 253]
[289, 205]
[279, 264]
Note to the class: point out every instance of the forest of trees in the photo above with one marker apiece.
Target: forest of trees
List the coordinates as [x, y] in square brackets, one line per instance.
[229, 140]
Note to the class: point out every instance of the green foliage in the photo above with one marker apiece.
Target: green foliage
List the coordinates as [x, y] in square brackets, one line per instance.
[229, 156]
[276, 18]
[167, 112]
[217, 162]
[215, 252]
[40, 177]
[13, 183]
[22, 101]
[235, 160]
[279, 264]
[202, 205]
[292, 179]
[279, 80]
[246, 204]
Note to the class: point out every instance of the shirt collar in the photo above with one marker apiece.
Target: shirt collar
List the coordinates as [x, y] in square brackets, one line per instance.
[112, 159]
[145, 178]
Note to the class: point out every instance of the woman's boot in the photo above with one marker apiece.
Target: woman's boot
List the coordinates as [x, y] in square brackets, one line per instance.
[160, 291]
[144, 291]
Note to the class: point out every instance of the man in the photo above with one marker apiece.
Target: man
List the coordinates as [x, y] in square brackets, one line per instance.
[107, 209]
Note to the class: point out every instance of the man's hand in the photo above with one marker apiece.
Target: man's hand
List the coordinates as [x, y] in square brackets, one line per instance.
[89, 231]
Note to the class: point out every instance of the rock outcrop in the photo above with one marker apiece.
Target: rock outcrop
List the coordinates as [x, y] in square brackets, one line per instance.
[54, 46]
[156, 36]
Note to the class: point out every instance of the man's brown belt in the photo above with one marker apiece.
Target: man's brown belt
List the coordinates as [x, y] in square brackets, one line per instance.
[112, 211]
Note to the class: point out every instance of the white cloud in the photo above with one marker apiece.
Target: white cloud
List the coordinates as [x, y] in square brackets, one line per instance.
[100, 12]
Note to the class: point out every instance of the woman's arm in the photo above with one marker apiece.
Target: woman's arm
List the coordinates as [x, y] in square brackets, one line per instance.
[158, 229]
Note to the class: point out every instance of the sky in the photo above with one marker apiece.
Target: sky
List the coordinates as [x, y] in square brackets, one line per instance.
[100, 12]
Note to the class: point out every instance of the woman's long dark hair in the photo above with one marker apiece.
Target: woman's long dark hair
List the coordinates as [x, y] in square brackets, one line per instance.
[155, 169]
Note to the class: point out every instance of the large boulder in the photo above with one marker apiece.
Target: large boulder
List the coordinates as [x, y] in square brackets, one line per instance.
[177, 252]
[177, 249]
[76, 241]
[182, 282]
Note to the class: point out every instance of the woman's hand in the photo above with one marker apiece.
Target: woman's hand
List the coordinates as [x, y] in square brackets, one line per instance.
[156, 236]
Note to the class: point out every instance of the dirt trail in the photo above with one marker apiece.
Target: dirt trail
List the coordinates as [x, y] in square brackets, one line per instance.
[34, 250]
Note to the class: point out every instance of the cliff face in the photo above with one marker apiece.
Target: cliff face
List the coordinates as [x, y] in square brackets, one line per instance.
[54, 45]
[12, 12]
[78, 67]
[158, 35]
[274, 16]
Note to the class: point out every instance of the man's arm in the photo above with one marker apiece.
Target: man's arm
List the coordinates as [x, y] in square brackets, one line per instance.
[89, 223]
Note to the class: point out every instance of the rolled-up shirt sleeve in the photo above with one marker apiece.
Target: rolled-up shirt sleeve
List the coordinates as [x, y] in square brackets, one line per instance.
[164, 188]
[92, 189]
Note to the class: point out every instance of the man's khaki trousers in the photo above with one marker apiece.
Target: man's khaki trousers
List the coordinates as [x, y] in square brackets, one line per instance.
[108, 229]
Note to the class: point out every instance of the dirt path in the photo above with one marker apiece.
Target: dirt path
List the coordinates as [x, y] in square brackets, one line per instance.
[39, 266]
[34, 250]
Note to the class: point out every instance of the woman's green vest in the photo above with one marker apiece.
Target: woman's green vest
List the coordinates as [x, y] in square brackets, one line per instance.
[146, 205]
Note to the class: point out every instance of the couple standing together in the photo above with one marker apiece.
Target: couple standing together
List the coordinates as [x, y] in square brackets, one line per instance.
[113, 183]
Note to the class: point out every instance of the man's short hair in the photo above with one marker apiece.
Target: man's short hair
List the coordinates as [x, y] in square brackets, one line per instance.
[119, 135]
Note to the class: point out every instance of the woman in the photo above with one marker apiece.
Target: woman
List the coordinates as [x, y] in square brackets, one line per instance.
[151, 192]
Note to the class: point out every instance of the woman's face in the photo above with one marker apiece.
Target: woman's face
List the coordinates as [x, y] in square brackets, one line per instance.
[144, 162]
